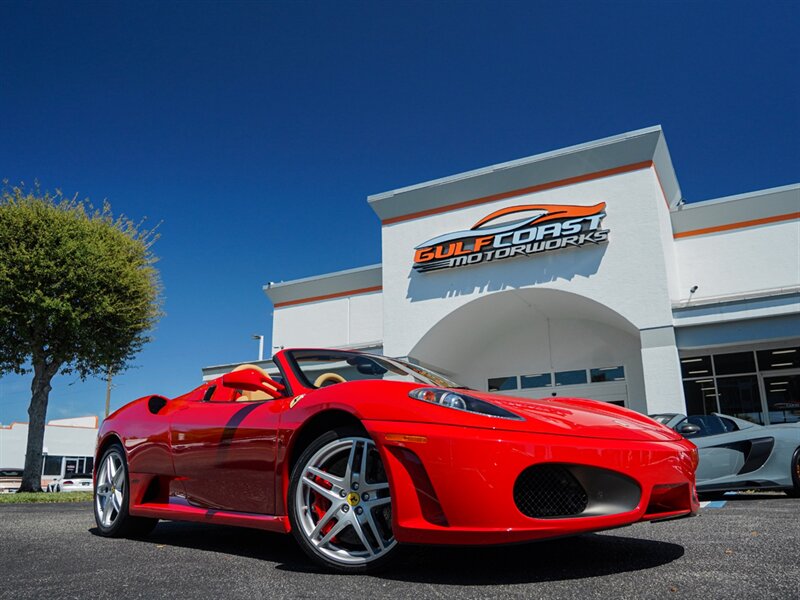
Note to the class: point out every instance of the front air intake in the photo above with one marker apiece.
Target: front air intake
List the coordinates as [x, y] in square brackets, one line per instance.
[548, 491]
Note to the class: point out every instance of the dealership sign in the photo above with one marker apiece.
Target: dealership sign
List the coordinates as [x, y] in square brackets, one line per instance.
[514, 231]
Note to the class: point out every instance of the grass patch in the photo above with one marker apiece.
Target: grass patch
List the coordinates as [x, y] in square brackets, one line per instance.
[29, 497]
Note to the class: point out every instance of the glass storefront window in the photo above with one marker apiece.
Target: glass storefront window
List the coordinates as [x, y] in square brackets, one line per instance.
[571, 377]
[500, 384]
[696, 366]
[781, 358]
[536, 381]
[734, 363]
[746, 384]
[52, 465]
[739, 397]
[71, 466]
[701, 397]
[608, 374]
[783, 398]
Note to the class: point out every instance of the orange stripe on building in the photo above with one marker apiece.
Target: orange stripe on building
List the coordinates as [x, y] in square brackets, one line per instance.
[366, 290]
[739, 225]
[528, 190]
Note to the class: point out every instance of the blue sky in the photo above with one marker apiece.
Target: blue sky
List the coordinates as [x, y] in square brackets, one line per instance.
[253, 132]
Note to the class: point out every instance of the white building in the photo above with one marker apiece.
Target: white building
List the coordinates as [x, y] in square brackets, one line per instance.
[576, 272]
[68, 446]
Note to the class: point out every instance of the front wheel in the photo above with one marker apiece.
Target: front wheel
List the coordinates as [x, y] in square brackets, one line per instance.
[340, 504]
[794, 491]
[112, 497]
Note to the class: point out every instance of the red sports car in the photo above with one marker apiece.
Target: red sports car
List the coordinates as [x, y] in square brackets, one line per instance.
[354, 454]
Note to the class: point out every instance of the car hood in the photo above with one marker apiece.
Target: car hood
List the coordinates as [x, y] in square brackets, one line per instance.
[579, 417]
[389, 401]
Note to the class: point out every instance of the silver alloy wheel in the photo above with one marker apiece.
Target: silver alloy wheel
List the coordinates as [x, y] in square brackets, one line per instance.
[343, 502]
[110, 489]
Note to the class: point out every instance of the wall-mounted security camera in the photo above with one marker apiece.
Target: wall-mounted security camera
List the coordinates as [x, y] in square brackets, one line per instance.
[693, 289]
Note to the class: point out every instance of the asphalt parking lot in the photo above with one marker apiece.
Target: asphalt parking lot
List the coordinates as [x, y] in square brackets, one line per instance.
[744, 547]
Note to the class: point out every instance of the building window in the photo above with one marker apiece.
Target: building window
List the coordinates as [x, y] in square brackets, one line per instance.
[783, 398]
[570, 377]
[739, 397]
[608, 374]
[732, 383]
[52, 465]
[501, 384]
[696, 366]
[734, 363]
[782, 358]
[537, 381]
[701, 396]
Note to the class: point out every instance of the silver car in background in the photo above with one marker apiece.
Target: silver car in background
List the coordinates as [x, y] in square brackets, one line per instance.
[739, 455]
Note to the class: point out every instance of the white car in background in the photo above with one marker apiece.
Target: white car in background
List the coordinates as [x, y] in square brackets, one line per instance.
[74, 482]
[10, 480]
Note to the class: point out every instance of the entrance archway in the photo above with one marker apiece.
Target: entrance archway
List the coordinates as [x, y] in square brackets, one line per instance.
[538, 343]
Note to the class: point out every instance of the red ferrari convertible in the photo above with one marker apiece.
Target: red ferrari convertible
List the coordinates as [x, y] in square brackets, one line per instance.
[355, 453]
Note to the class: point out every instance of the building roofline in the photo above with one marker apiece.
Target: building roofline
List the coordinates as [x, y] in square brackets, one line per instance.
[752, 209]
[608, 156]
[745, 195]
[292, 282]
[360, 280]
[50, 424]
[516, 163]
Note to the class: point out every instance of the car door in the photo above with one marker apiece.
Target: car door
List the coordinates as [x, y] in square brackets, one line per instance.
[224, 451]
[728, 453]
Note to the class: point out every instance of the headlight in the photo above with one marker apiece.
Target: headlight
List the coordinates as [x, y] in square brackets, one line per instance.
[461, 401]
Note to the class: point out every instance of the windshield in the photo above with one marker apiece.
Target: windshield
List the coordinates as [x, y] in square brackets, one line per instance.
[663, 419]
[319, 368]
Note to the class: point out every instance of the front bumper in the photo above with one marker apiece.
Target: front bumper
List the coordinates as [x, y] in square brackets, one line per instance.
[455, 485]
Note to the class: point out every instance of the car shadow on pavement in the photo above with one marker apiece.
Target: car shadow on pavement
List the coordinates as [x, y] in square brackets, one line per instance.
[235, 541]
[588, 555]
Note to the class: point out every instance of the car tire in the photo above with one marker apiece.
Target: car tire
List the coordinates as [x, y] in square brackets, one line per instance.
[340, 505]
[794, 491]
[112, 498]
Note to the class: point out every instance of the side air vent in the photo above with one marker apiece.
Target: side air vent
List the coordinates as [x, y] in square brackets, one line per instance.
[156, 403]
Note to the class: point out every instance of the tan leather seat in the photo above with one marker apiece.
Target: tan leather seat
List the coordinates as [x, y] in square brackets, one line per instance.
[328, 379]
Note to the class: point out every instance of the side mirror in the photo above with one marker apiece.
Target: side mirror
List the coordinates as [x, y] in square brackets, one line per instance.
[251, 380]
[688, 429]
